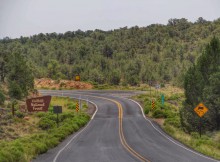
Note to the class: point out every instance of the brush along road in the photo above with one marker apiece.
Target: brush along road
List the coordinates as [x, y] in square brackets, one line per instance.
[118, 132]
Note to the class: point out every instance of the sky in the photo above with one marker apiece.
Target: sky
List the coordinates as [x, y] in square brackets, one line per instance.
[29, 17]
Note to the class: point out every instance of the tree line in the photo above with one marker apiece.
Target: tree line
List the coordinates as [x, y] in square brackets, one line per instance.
[121, 56]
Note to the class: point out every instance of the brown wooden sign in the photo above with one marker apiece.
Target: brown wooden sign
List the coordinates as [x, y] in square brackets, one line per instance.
[38, 103]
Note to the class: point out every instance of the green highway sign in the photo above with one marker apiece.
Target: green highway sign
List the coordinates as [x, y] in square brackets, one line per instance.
[162, 99]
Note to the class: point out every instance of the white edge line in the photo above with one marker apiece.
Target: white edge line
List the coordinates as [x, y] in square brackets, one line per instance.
[169, 137]
[55, 158]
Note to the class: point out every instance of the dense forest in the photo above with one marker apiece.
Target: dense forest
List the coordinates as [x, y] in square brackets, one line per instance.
[161, 53]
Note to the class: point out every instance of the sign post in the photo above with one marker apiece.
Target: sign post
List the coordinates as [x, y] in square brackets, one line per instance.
[157, 87]
[162, 99]
[80, 104]
[150, 83]
[57, 110]
[200, 110]
[13, 108]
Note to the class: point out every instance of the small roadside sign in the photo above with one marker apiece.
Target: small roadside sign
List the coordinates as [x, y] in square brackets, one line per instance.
[201, 110]
[77, 106]
[153, 104]
[162, 99]
[77, 77]
[57, 110]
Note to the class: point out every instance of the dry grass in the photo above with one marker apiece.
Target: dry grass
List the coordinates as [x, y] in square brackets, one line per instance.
[21, 127]
[209, 144]
[206, 145]
[61, 102]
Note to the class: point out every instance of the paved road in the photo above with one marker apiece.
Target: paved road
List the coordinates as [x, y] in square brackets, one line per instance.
[118, 133]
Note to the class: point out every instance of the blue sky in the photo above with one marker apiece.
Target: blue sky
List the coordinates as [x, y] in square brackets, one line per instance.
[29, 17]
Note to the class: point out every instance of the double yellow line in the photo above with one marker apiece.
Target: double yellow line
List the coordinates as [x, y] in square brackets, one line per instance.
[121, 134]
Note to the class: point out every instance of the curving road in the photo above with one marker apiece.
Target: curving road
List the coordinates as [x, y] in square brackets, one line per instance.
[118, 132]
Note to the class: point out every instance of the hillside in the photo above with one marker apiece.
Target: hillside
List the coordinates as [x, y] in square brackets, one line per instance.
[123, 56]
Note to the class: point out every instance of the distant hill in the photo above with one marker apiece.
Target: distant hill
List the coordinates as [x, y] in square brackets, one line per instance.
[124, 56]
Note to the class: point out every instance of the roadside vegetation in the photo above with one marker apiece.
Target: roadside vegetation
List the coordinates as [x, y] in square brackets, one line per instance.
[168, 117]
[177, 116]
[39, 131]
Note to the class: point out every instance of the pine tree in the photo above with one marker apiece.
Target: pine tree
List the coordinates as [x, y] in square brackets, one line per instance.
[20, 77]
[202, 84]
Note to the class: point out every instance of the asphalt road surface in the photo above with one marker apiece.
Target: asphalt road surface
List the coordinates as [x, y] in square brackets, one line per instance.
[118, 132]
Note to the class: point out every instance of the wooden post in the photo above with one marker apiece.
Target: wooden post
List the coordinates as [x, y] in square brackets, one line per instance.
[200, 127]
[13, 108]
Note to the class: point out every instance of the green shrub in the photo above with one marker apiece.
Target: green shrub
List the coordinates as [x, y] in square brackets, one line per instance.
[66, 115]
[115, 78]
[175, 96]
[40, 114]
[40, 146]
[85, 106]
[50, 109]
[25, 148]
[46, 123]
[170, 114]
[102, 86]
[62, 84]
[146, 109]
[15, 91]
[162, 85]
[133, 80]
[173, 121]
[19, 114]
[158, 113]
[51, 116]
[169, 129]
[71, 106]
[195, 135]
[9, 105]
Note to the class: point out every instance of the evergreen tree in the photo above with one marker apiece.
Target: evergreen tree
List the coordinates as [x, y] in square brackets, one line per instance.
[202, 84]
[20, 77]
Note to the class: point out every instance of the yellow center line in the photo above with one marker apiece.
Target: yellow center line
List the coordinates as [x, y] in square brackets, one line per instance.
[121, 134]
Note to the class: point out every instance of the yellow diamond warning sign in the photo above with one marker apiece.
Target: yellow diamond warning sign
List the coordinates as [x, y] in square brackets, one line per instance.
[201, 110]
